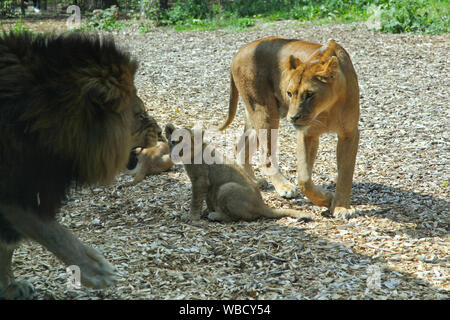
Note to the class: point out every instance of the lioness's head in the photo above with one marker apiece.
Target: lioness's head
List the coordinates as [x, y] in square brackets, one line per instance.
[312, 85]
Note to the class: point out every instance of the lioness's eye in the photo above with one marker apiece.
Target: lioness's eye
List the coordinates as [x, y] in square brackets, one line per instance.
[289, 94]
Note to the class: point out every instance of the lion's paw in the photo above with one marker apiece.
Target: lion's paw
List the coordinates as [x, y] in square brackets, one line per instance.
[96, 271]
[17, 290]
[287, 190]
[344, 213]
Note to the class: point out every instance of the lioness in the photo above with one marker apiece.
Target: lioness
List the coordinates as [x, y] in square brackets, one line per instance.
[148, 161]
[230, 193]
[316, 87]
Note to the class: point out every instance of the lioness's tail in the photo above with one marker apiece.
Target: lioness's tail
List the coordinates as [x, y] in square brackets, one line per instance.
[234, 95]
[279, 213]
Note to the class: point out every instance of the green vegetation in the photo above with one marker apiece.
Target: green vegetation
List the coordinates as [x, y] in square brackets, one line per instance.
[19, 27]
[104, 20]
[427, 16]
[394, 16]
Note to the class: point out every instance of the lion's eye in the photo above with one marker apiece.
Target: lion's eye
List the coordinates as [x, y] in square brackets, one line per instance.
[308, 94]
[289, 94]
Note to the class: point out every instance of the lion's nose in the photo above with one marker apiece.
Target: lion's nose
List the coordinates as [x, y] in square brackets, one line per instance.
[295, 117]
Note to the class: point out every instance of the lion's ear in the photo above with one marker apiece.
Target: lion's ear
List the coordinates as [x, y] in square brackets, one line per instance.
[293, 63]
[327, 70]
[103, 96]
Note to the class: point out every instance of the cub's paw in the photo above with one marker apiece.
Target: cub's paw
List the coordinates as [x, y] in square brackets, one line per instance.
[190, 217]
[17, 290]
[217, 216]
[344, 213]
[287, 190]
[96, 271]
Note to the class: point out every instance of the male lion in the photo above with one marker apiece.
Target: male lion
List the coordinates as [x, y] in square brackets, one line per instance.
[69, 115]
[229, 192]
[317, 89]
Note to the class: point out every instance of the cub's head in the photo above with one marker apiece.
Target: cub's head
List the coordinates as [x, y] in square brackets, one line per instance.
[181, 137]
[185, 144]
[311, 86]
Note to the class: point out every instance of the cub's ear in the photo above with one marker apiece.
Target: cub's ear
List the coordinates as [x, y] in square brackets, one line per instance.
[168, 130]
[327, 70]
[292, 63]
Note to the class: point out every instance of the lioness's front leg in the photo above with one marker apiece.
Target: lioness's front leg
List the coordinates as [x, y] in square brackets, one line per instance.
[306, 154]
[96, 272]
[347, 148]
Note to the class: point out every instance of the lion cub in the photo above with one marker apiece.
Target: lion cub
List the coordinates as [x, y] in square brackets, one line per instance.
[149, 161]
[230, 193]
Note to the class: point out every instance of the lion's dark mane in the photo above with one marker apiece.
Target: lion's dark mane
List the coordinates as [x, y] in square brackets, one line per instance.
[41, 88]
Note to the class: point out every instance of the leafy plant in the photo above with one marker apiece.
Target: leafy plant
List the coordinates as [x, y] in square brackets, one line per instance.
[412, 16]
[105, 20]
[429, 16]
[19, 27]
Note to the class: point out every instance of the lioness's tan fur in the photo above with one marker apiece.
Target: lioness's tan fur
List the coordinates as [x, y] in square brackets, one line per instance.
[151, 161]
[316, 87]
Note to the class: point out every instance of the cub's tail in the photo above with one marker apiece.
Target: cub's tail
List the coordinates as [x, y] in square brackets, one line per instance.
[280, 213]
[234, 95]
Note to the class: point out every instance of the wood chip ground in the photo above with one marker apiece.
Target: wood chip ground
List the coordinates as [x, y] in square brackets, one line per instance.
[396, 248]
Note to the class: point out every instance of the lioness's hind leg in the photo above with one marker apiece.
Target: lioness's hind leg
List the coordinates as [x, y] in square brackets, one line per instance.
[265, 121]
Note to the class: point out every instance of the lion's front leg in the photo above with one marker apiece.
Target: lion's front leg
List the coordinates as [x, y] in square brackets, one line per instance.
[96, 272]
[306, 154]
[11, 289]
[347, 148]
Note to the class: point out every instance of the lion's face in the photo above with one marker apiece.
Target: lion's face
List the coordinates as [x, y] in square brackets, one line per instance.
[145, 130]
[310, 90]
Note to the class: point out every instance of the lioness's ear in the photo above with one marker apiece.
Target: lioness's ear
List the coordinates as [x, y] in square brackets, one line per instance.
[292, 63]
[327, 70]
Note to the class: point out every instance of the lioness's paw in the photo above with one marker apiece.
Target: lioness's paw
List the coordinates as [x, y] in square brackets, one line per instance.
[287, 190]
[17, 290]
[96, 271]
[344, 213]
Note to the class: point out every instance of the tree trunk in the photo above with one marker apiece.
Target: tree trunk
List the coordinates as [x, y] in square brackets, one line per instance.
[164, 4]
